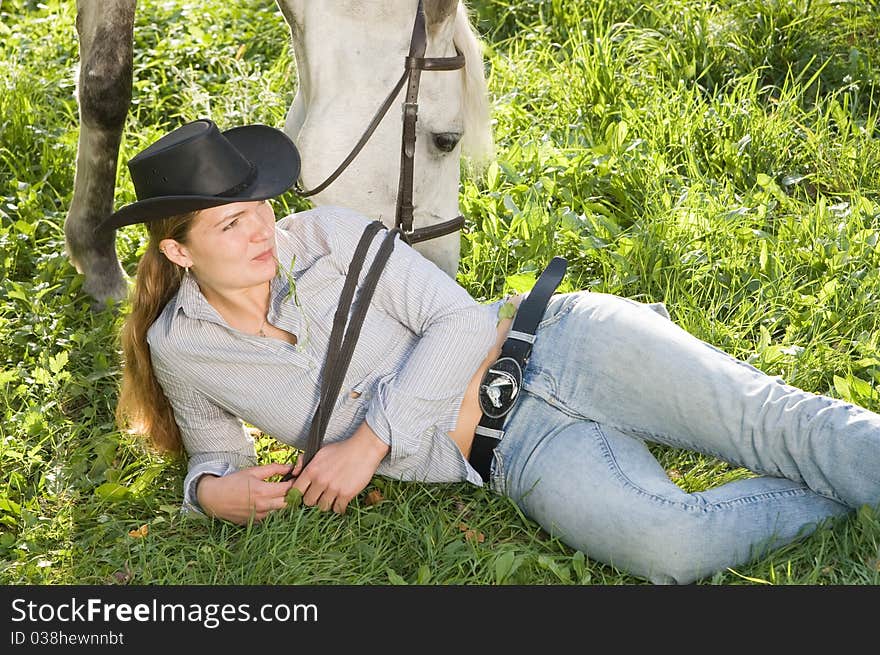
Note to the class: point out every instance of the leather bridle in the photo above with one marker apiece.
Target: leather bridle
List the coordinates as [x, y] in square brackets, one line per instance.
[414, 64]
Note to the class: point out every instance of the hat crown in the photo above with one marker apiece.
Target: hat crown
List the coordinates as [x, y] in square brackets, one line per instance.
[193, 160]
[196, 166]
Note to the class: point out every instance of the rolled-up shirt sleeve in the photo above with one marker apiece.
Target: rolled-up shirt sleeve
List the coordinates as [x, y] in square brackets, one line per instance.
[216, 441]
[454, 336]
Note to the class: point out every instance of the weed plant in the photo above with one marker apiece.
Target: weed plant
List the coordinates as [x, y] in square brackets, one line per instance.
[719, 156]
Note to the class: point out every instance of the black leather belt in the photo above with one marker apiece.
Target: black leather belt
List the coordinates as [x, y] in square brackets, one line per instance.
[501, 385]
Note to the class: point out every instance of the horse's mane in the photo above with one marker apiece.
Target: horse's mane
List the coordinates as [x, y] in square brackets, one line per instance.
[477, 143]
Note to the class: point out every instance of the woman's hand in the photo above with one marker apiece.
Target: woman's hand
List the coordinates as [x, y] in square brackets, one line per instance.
[340, 471]
[244, 495]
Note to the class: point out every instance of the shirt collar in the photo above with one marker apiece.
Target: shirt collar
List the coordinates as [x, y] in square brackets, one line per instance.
[193, 303]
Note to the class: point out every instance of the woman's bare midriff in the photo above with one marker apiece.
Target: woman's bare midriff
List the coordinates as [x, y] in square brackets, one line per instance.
[469, 413]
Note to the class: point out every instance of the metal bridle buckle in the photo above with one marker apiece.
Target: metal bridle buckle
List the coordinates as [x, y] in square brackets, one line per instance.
[500, 387]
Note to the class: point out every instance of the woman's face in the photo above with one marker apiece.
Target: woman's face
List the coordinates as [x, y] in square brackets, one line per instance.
[232, 246]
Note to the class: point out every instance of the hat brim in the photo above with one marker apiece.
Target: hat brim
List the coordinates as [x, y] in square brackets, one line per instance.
[270, 150]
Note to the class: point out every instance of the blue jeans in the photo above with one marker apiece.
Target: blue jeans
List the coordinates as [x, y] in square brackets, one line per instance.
[608, 374]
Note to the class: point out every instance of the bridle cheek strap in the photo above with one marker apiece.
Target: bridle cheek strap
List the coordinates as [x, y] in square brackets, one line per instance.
[414, 63]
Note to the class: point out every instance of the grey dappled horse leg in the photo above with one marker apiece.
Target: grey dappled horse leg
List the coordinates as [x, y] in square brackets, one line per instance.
[105, 29]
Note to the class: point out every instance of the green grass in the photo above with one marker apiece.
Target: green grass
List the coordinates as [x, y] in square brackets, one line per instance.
[722, 157]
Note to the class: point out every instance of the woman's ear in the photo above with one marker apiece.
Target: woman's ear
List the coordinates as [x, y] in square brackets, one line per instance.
[175, 252]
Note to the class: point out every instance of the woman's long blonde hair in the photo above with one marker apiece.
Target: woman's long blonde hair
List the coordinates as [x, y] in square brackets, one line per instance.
[142, 407]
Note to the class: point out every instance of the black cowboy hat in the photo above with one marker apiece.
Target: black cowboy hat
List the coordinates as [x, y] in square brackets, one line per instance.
[196, 166]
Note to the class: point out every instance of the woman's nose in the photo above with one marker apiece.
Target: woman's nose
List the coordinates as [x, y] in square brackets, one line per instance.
[260, 228]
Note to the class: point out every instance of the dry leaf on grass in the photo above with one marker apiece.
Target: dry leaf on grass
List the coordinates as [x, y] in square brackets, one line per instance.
[470, 534]
[373, 497]
[140, 532]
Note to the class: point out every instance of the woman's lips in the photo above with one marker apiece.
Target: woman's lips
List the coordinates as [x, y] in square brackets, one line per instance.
[265, 256]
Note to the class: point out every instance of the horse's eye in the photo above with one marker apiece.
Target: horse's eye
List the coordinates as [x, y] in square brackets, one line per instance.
[446, 141]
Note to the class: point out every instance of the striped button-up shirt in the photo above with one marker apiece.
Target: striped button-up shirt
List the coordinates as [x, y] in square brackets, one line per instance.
[422, 340]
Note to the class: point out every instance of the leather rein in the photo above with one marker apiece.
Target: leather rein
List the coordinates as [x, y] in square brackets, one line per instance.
[414, 63]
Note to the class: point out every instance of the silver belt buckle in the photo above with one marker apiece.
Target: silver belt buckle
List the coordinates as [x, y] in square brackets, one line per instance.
[500, 387]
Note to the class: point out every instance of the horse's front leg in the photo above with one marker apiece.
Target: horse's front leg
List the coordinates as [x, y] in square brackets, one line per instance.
[104, 28]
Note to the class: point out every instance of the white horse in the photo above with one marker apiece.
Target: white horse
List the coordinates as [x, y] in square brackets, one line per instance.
[349, 54]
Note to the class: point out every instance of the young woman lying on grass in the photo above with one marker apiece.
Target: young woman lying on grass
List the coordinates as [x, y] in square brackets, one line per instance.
[231, 320]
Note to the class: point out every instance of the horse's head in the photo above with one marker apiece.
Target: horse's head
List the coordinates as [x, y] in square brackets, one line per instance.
[349, 55]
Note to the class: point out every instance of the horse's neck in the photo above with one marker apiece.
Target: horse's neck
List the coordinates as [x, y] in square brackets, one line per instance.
[351, 22]
[341, 58]
[332, 37]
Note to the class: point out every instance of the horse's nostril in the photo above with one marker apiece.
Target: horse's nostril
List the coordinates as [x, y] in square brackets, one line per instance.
[446, 141]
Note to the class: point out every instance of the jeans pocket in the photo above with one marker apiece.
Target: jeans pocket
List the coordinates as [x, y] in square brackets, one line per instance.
[558, 306]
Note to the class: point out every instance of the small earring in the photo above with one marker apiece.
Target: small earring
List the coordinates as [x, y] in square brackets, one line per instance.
[162, 250]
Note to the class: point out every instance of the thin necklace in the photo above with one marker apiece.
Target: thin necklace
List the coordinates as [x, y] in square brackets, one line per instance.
[261, 332]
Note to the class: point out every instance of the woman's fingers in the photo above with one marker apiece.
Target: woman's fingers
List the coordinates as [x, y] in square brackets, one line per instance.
[297, 467]
[311, 493]
[318, 483]
[271, 503]
[316, 494]
[265, 497]
[326, 501]
[268, 470]
[269, 496]
[265, 506]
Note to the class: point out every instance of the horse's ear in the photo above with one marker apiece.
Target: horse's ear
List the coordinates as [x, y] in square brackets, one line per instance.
[439, 11]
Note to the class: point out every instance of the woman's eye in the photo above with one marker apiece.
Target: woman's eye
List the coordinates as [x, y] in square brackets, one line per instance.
[230, 224]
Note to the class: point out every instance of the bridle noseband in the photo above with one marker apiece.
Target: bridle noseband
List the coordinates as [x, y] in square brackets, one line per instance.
[415, 63]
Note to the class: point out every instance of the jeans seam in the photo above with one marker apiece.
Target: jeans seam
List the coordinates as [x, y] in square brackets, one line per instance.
[670, 441]
[496, 477]
[715, 506]
[676, 443]
[555, 401]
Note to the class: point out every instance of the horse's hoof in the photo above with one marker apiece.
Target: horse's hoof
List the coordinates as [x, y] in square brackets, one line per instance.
[106, 293]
